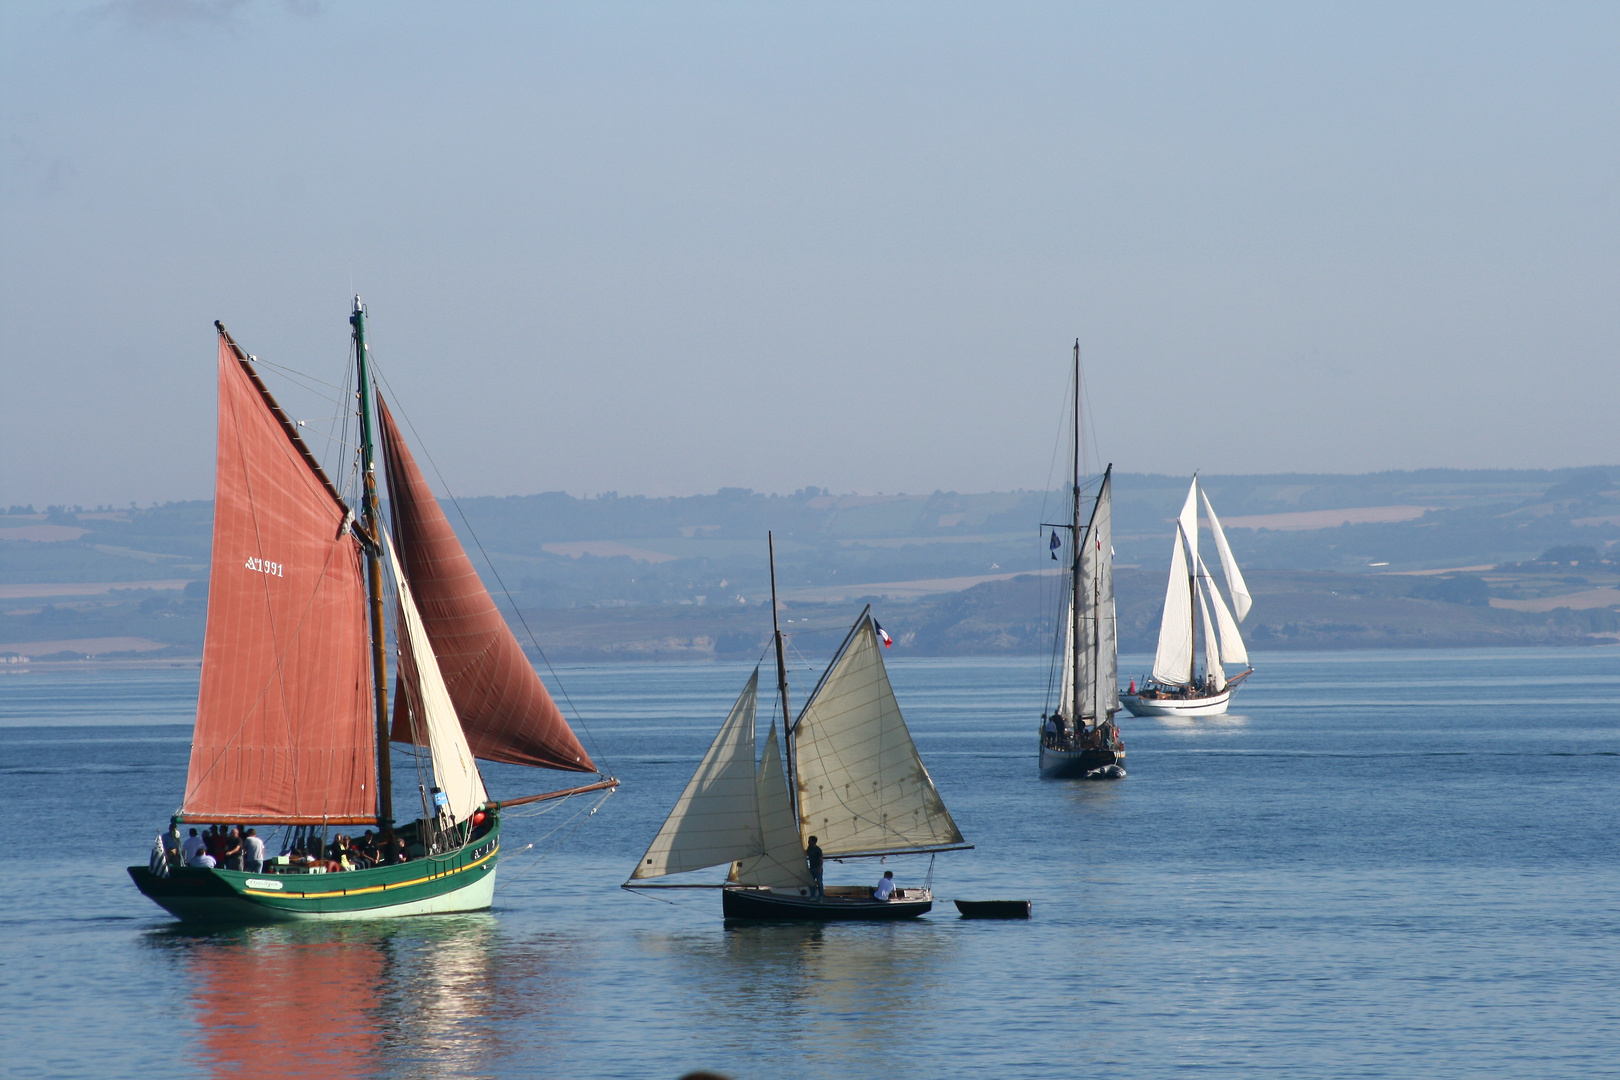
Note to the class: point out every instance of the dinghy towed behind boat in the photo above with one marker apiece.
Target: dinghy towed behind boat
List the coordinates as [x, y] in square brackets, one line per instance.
[862, 792]
[1078, 737]
[293, 727]
[1176, 688]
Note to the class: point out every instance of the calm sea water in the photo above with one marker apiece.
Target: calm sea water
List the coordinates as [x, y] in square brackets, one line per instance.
[1382, 864]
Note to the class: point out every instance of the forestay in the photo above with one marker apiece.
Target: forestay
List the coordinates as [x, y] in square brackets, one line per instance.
[862, 787]
[781, 865]
[454, 770]
[716, 820]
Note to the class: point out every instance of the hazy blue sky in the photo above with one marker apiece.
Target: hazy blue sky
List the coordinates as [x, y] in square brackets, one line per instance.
[661, 248]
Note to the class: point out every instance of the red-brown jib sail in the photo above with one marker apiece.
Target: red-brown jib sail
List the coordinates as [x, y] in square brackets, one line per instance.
[504, 708]
[284, 716]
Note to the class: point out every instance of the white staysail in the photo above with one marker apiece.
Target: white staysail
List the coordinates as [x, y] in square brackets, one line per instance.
[1212, 648]
[1173, 663]
[782, 865]
[862, 786]
[1232, 647]
[1229, 567]
[1101, 682]
[716, 820]
[454, 771]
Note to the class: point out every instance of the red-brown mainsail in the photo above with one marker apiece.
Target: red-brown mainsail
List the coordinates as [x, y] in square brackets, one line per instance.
[284, 715]
[504, 708]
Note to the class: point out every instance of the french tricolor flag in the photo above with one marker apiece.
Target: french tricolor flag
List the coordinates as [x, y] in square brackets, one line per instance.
[883, 635]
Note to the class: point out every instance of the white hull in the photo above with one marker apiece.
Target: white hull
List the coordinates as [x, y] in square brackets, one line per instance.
[1214, 705]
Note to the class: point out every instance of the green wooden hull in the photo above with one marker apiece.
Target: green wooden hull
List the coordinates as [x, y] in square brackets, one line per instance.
[461, 880]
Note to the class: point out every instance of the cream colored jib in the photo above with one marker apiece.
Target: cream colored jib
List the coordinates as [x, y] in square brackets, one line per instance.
[1234, 577]
[862, 786]
[782, 866]
[1233, 650]
[454, 770]
[1172, 664]
[1099, 646]
[716, 819]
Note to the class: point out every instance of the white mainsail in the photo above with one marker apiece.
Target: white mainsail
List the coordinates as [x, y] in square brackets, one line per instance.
[716, 820]
[454, 770]
[1233, 650]
[782, 864]
[1188, 520]
[1234, 577]
[862, 787]
[1173, 663]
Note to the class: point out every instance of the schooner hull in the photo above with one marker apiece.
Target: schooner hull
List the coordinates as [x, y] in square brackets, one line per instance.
[762, 905]
[1213, 705]
[1073, 764]
[460, 881]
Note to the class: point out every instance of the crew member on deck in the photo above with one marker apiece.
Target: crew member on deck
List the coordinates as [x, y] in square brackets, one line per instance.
[813, 854]
[885, 888]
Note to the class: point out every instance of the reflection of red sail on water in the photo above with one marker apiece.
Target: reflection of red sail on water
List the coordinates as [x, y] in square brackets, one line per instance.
[287, 1009]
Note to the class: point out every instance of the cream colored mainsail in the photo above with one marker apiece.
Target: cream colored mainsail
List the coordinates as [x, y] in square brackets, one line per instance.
[454, 770]
[1172, 664]
[862, 786]
[1066, 690]
[716, 819]
[1099, 647]
[1234, 577]
[782, 865]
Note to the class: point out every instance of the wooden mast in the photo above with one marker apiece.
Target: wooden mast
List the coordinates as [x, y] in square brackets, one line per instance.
[781, 677]
[372, 529]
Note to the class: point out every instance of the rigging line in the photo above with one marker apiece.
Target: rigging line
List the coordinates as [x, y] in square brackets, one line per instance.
[582, 815]
[294, 372]
[556, 679]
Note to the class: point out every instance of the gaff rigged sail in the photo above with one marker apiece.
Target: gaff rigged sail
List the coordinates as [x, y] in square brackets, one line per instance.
[504, 708]
[285, 730]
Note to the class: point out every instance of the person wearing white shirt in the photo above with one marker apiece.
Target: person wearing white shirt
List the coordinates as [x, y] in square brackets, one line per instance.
[252, 852]
[192, 845]
[885, 888]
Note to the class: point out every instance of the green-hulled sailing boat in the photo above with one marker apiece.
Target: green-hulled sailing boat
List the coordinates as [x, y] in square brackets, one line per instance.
[293, 726]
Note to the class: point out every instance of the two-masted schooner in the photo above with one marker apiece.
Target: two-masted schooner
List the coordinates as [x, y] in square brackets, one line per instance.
[862, 791]
[293, 725]
[1176, 687]
[1078, 736]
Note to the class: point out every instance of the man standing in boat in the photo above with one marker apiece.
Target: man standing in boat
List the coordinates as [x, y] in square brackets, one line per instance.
[813, 854]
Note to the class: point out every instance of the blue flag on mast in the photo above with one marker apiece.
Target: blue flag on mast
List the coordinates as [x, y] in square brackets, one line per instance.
[1056, 543]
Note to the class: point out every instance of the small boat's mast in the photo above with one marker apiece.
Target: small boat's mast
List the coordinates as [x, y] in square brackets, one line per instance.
[1074, 533]
[372, 525]
[781, 675]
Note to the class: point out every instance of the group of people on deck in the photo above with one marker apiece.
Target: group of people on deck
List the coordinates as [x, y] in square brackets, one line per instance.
[1055, 735]
[236, 848]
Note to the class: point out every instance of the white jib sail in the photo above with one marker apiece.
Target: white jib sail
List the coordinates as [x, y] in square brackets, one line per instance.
[1097, 564]
[1232, 647]
[1188, 520]
[1229, 567]
[716, 819]
[1212, 647]
[454, 770]
[782, 866]
[1172, 664]
[862, 787]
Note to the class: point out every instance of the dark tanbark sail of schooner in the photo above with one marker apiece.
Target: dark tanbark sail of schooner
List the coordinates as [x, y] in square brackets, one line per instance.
[293, 723]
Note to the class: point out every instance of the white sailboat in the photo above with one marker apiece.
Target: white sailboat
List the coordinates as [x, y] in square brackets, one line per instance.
[862, 789]
[1176, 687]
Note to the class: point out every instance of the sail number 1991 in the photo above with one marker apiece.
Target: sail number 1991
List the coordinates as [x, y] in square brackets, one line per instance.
[264, 566]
